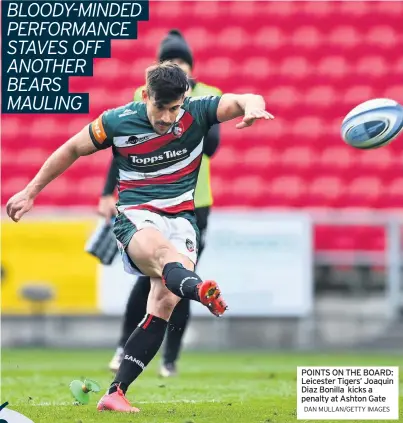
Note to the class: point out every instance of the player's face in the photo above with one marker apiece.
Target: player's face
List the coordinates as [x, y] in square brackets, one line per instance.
[162, 116]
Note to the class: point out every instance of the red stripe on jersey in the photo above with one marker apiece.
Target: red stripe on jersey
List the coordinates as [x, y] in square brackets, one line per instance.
[148, 321]
[158, 142]
[164, 179]
[185, 206]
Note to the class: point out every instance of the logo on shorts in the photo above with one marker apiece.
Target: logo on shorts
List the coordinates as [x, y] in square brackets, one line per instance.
[149, 221]
[178, 129]
[190, 245]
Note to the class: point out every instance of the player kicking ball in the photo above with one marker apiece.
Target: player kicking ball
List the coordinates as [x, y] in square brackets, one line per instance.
[158, 146]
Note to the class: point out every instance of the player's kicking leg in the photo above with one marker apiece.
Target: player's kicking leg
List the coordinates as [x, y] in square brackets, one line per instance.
[172, 278]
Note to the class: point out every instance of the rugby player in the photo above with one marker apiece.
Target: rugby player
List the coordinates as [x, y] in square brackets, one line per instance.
[158, 147]
[174, 48]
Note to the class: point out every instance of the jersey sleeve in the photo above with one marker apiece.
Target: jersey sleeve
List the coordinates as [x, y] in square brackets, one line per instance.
[204, 110]
[101, 130]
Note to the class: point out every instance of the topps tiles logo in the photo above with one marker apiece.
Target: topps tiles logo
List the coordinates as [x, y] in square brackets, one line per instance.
[166, 157]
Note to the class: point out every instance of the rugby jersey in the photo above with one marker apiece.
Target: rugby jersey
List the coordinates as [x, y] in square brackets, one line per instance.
[156, 172]
[203, 191]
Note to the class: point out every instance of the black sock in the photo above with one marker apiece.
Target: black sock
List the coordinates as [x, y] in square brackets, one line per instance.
[140, 349]
[135, 308]
[176, 329]
[180, 281]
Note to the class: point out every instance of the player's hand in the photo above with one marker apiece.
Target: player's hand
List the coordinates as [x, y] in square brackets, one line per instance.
[19, 204]
[107, 206]
[252, 115]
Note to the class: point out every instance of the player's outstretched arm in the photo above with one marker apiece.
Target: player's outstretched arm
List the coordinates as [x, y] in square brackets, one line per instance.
[79, 145]
[250, 106]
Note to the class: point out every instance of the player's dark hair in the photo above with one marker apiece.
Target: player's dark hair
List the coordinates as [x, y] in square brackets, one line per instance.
[166, 82]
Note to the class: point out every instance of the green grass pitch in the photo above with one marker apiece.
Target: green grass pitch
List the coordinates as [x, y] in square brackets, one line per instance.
[212, 387]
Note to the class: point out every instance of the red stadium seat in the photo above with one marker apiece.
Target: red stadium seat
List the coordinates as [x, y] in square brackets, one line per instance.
[287, 190]
[297, 67]
[398, 69]
[284, 96]
[12, 185]
[364, 190]
[233, 38]
[199, 38]
[260, 158]
[31, 157]
[138, 70]
[333, 66]
[328, 238]
[319, 9]
[151, 38]
[125, 48]
[221, 68]
[46, 127]
[298, 157]
[278, 128]
[278, 8]
[111, 69]
[357, 94]
[372, 65]
[8, 156]
[245, 9]
[10, 127]
[393, 194]
[336, 159]
[309, 127]
[76, 124]
[257, 68]
[354, 8]
[346, 36]
[90, 184]
[324, 191]
[383, 36]
[170, 9]
[219, 186]
[320, 96]
[375, 160]
[385, 8]
[226, 157]
[248, 187]
[201, 9]
[307, 37]
[395, 92]
[269, 37]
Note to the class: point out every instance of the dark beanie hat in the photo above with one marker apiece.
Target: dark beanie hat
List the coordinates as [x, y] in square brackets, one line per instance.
[174, 46]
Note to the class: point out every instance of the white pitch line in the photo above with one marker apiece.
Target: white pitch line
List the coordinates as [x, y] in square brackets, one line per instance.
[183, 401]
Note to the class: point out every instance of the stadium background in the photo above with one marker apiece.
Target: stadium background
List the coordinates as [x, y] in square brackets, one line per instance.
[313, 62]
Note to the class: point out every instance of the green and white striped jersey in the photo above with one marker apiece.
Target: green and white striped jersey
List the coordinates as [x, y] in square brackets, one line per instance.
[156, 172]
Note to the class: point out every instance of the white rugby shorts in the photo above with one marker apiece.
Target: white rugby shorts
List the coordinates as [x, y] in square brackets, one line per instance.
[178, 230]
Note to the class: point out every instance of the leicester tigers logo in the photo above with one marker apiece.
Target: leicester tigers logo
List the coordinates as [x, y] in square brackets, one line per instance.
[190, 245]
[178, 130]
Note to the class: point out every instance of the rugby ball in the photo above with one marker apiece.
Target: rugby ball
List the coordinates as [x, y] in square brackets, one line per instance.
[373, 124]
